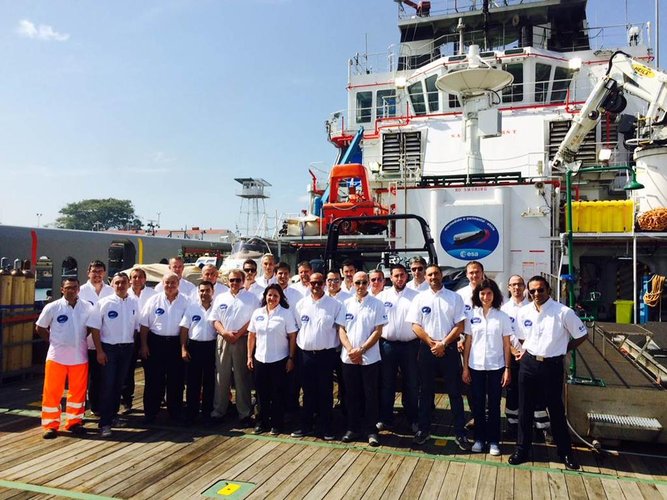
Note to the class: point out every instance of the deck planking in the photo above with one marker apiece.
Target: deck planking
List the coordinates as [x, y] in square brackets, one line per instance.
[170, 462]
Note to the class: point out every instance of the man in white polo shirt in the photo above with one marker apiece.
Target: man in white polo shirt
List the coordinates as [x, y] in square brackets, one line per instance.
[548, 330]
[304, 269]
[317, 317]
[418, 268]
[62, 324]
[92, 291]
[398, 346]
[231, 314]
[161, 349]
[210, 273]
[364, 319]
[113, 324]
[437, 316]
[268, 276]
[177, 266]
[198, 351]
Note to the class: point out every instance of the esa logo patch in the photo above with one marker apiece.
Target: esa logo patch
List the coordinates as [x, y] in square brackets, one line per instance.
[582, 328]
[388, 305]
[527, 322]
[223, 307]
[62, 319]
[112, 314]
[196, 318]
[159, 311]
[426, 310]
[476, 320]
[349, 316]
[512, 319]
[468, 308]
[305, 319]
[260, 318]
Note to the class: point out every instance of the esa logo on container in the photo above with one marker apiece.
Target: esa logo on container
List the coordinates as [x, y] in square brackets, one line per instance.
[469, 238]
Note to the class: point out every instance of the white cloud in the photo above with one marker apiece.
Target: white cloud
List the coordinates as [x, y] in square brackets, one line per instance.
[28, 29]
[162, 157]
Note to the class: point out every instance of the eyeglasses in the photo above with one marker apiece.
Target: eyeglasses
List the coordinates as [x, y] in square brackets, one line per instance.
[361, 283]
[536, 290]
[374, 280]
[316, 283]
[250, 270]
[235, 280]
[415, 269]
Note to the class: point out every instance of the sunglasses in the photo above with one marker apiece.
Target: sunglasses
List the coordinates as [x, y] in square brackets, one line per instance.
[536, 290]
[415, 269]
[250, 270]
[361, 283]
[235, 280]
[316, 283]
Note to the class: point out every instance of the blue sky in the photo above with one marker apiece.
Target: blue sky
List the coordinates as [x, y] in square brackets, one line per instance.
[165, 102]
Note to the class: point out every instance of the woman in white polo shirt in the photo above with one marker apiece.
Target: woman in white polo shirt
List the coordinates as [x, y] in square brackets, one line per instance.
[486, 362]
[271, 352]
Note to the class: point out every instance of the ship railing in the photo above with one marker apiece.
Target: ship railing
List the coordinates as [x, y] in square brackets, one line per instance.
[450, 7]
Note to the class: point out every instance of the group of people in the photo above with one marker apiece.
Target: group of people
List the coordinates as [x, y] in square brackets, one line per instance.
[284, 339]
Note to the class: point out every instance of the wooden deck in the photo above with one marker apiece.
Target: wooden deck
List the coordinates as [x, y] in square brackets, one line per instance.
[172, 462]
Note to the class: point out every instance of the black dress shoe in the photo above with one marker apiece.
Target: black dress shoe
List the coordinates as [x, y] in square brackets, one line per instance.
[349, 436]
[517, 458]
[569, 461]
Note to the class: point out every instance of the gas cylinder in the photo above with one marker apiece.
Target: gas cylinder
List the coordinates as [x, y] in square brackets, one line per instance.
[28, 327]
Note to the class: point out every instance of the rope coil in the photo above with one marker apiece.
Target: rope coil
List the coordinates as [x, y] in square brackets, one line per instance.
[652, 297]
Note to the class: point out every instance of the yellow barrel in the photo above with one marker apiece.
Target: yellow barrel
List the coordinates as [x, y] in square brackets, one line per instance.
[28, 327]
[576, 215]
[595, 217]
[585, 222]
[628, 209]
[615, 216]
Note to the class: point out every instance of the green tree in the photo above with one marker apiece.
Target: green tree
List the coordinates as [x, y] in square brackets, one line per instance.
[98, 215]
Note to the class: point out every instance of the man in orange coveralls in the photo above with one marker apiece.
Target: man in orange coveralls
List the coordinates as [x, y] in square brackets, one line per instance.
[62, 324]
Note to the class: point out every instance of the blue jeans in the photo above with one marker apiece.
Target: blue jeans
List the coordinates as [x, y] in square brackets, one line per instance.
[486, 384]
[113, 376]
[450, 368]
[398, 355]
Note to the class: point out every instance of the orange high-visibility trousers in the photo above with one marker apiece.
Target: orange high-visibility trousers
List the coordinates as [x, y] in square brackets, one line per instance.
[55, 375]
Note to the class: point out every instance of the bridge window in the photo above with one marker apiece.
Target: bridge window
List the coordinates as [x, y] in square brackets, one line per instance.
[70, 268]
[385, 101]
[43, 278]
[416, 91]
[364, 106]
[542, 80]
[562, 78]
[432, 94]
[514, 93]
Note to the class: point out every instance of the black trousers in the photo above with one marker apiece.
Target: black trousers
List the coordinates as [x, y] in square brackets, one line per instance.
[94, 382]
[270, 383]
[163, 368]
[200, 377]
[362, 387]
[127, 394]
[317, 369]
[537, 380]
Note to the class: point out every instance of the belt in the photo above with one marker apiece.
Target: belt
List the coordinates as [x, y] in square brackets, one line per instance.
[165, 338]
[383, 340]
[319, 351]
[545, 358]
[201, 341]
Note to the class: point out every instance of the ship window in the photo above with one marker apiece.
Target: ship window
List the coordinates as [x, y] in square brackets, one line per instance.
[542, 79]
[562, 78]
[43, 278]
[432, 94]
[364, 106]
[453, 101]
[416, 92]
[514, 93]
[70, 268]
[385, 100]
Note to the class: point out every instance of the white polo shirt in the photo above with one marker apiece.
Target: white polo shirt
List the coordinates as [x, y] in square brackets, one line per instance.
[272, 330]
[466, 295]
[146, 293]
[67, 331]
[341, 296]
[185, 288]
[264, 282]
[257, 290]
[196, 320]
[419, 288]
[87, 292]
[163, 317]
[396, 306]
[511, 308]
[547, 333]
[293, 296]
[218, 288]
[117, 319]
[361, 319]
[234, 311]
[487, 332]
[437, 312]
[317, 321]
[301, 288]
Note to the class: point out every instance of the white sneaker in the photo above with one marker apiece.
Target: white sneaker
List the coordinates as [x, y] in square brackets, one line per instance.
[494, 449]
[106, 431]
[478, 447]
